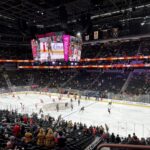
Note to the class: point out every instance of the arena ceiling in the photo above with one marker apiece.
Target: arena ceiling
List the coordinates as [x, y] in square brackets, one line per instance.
[23, 18]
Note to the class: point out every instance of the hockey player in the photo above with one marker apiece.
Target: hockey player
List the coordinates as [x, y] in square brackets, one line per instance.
[82, 109]
[41, 101]
[21, 104]
[66, 105]
[71, 107]
[40, 111]
[71, 100]
[59, 98]
[36, 105]
[23, 108]
[110, 103]
[78, 102]
[109, 110]
[109, 107]
[75, 97]
[68, 95]
[57, 107]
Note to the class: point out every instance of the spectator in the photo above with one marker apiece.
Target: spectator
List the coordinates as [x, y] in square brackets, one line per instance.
[61, 139]
[49, 139]
[112, 138]
[28, 136]
[118, 139]
[16, 130]
[41, 137]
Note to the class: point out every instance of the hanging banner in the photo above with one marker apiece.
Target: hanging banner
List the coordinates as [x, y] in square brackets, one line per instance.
[87, 37]
[115, 32]
[95, 35]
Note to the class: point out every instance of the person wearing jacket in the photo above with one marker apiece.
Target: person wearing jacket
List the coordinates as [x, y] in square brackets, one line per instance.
[41, 137]
[28, 137]
[16, 130]
[49, 139]
[25, 119]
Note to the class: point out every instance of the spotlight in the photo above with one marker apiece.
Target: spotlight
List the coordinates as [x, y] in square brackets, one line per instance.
[78, 34]
[142, 23]
[53, 62]
[71, 63]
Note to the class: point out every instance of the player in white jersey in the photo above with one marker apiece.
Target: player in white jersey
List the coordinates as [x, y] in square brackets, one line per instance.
[109, 107]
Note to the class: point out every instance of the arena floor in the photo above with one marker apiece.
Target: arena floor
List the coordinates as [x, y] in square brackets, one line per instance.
[124, 119]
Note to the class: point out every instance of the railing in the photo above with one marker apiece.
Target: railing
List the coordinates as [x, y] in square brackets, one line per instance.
[144, 98]
[129, 147]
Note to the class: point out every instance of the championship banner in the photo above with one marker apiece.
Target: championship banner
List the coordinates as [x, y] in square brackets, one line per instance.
[66, 41]
[115, 32]
[87, 37]
[57, 51]
[95, 35]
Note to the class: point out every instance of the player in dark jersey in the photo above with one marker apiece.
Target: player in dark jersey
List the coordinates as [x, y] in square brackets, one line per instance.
[57, 107]
[78, 102]
[82, 109]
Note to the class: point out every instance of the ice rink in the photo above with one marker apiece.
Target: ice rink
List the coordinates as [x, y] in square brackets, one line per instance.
[124, 119]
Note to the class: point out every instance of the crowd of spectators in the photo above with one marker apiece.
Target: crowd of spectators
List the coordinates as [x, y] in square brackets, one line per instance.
[20, 131]
[116, 49]
[139, 83]
[101, 81]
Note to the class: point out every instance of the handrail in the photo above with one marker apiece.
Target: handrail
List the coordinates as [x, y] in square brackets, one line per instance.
[143, 147]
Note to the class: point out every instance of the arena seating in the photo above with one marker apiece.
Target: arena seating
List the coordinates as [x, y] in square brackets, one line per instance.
[139, 83]
[73, 136]
[82, 80]
[117, 49]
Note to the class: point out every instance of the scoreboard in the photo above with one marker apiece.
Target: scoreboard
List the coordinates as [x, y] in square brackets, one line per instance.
[56, 46]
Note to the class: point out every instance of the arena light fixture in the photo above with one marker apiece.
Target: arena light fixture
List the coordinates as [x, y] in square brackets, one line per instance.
[142, 23]
[53, 62]
[78, 34]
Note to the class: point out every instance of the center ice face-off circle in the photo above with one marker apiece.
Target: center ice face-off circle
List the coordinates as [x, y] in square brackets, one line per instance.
[53, 106]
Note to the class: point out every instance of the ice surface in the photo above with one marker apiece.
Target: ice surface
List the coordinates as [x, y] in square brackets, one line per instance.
[123, 120]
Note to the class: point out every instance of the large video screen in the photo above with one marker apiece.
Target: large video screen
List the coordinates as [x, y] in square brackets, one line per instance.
[56, 46]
